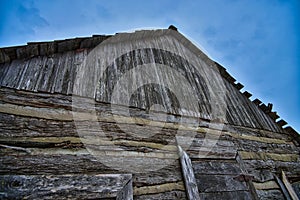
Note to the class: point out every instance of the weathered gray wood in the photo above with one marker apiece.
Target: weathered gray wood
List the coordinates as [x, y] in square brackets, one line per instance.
[212, 153]
[31, 75]
[61, 69]
[4, 67]
[174, 195]
[247, 94]
[93, 41]
[188, 175]
[270, 194]
[240, 195]
[126, 192]
[262, 170]
[216, 167]
[38, 134]
[46, 74]
[4, 58]
[248, 178]
[249, 145]
[103, 186]
[30, 50]
[68, 45]
[296, 187]
[288, 186]
[65, 73]
[19, 162]
[219, 183]
[212, 148]
[13, 74]
[283, 188]
[48, 48]
[77, 61]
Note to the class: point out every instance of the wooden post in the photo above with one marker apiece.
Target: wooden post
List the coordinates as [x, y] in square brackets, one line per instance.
[289, 187]
[188, 175]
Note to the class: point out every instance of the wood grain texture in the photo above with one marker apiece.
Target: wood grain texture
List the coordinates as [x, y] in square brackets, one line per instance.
[188, 175]
[100, 186]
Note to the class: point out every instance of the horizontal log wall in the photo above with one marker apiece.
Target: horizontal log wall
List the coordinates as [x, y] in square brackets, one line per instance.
[33, 141]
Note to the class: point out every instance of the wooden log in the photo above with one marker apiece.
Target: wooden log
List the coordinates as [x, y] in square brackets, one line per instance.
[270, 194]
[269, 156]
[245, 195]
[263, 170]
[219, 183]
[18, 162]
[252, 146]
[103, 186]
[174, 194]
[212, 153]
[216, 167]
[268, 185]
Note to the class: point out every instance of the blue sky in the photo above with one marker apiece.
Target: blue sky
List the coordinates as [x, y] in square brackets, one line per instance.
[257, 41]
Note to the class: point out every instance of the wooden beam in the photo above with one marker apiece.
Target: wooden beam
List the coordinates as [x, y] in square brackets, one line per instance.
[281, 123]
[239, 86]
[247, 94]
[273, 115]
[188, 175]
[289, 187]
[282, 187]
[257, 102]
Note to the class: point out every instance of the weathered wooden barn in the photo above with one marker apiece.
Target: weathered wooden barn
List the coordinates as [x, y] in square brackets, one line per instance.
[143, 115]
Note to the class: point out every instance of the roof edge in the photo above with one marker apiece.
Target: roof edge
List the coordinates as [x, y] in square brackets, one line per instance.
[7, 54]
